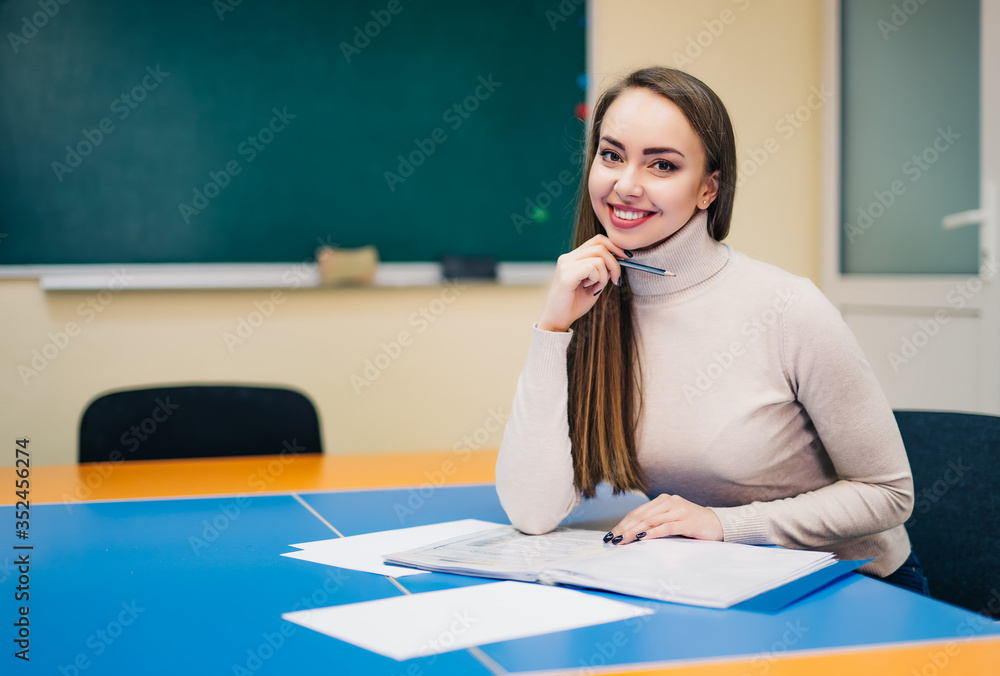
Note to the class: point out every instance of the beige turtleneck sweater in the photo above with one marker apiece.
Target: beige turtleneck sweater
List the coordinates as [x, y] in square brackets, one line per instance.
[757, 402]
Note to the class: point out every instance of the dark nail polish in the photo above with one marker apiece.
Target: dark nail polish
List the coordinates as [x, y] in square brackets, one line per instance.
[627, 252]
[608, 536]
[598, 292]
[618, 282]
[616, 539]
[640, 535]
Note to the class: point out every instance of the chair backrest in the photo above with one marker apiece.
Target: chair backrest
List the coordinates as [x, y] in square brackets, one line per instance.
[198, 421]
[955, 526]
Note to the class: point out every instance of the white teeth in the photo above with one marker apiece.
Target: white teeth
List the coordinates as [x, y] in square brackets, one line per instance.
[630, 215]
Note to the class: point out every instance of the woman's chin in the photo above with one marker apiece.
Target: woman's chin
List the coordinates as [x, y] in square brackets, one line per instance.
[625, 240]
[633, 241]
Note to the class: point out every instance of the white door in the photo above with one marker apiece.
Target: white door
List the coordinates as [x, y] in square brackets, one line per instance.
[910, 195]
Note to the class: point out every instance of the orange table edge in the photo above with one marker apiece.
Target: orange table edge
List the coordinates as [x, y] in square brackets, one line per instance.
[297, 473]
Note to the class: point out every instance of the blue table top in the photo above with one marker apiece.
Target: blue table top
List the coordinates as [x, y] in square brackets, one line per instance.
[199, 586]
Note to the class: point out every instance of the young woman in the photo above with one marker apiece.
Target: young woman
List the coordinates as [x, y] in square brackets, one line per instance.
[732, 392]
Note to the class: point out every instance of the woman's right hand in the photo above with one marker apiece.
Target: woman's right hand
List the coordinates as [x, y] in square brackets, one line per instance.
[581, 275]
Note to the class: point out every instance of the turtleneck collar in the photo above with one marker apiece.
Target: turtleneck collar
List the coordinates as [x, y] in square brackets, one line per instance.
[690, 253]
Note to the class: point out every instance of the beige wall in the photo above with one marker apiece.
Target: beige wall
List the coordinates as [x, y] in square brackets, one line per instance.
[762, 57]
[461, 369]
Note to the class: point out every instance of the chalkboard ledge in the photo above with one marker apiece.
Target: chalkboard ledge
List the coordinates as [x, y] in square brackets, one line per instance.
[244, 275]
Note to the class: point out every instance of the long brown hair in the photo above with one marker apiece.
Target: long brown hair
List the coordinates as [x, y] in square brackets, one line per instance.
[604, 379]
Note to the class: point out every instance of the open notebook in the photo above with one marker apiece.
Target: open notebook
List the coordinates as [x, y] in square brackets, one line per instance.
[694, 572]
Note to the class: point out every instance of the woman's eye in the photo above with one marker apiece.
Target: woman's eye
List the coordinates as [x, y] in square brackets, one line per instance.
[610, 155]
[663, 165]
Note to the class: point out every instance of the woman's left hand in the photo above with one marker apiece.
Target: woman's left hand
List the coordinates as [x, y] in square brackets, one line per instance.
[667, 515]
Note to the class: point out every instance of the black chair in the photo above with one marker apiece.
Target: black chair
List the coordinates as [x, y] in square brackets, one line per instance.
[198, 421]
[955, 526]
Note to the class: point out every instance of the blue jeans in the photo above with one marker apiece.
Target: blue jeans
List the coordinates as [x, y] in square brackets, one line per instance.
[909, 576]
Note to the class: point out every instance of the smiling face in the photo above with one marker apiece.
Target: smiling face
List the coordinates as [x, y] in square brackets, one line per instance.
[648, 177]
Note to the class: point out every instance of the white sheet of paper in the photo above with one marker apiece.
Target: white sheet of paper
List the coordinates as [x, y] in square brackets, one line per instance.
[404, 627]
[364, 552]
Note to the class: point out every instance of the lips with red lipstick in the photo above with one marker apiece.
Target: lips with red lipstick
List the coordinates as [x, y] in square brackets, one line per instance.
[624, 218]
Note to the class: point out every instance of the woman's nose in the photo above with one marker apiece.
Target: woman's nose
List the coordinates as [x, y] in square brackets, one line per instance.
[628, 185]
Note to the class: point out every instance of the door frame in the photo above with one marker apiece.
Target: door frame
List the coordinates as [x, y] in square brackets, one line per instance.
[910, 293]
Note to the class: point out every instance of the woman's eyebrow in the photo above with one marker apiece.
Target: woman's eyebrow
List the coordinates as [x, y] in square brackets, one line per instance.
[647, 151]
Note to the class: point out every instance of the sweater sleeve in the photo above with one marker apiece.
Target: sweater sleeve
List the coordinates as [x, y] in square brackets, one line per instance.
[827, 370]
[534, 473]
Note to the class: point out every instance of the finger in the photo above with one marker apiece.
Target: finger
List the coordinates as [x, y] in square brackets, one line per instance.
[587, 250]
[576, 270]
[660, 525]
[649, 509]
[604, 241]
[570, 275]
[614, 269]
[635, 517]
[684, 518]
[643, 517]
[669, 529]
[597, 277]
[628, 524]
[594, 276]
[599, 250]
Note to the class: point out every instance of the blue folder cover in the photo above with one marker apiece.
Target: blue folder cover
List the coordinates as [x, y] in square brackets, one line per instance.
[785, 595]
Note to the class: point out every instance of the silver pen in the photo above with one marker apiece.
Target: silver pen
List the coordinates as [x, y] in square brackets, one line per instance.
[645, 268]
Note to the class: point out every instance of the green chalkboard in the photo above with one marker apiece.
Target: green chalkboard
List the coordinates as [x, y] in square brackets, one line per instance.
[228, 131]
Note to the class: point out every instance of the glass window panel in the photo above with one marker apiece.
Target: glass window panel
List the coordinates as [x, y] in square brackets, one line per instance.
[910, 135]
